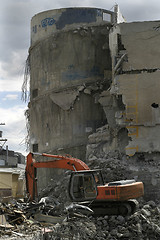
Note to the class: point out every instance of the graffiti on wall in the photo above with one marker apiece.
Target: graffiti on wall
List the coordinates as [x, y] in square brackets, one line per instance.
[47, 22]
[44, 23]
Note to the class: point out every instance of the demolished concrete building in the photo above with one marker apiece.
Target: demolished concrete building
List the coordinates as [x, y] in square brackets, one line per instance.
[69, 64]
[94, 86]
[131, 104]
[135, 58]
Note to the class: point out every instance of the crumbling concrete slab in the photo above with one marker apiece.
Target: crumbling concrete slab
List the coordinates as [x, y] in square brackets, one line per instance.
[48, 219]
[110, 105]
[141, 41]
[135, 67]
[65, 100]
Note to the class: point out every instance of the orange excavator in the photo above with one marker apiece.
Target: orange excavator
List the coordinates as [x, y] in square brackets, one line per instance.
[86, 185]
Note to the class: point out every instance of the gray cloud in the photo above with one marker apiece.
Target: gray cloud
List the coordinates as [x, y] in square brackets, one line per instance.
[15, 17]
[141, 10]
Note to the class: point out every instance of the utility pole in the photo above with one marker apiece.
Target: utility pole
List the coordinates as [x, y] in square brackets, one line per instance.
[2, 140]
[2, 143]
[7, 155]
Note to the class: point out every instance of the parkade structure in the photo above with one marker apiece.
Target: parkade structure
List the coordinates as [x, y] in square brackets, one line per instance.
[70, 62]
[94, 87]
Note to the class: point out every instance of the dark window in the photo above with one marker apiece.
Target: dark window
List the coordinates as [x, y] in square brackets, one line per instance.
[35, 147]
[120, 45]
[113, 192]
[34, 93]
[107, 192]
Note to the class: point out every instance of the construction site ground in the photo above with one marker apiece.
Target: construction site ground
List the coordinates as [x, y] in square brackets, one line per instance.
[49, 218]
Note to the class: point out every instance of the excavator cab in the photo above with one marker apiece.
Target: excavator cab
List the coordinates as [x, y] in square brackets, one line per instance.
[83, 185]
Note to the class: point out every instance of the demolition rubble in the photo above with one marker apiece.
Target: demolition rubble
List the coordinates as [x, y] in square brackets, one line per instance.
[143, 224]
[53, 216]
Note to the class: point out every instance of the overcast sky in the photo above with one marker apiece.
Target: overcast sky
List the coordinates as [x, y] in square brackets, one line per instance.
[15, 17]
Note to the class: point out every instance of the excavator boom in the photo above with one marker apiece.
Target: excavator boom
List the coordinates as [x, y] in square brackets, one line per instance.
[57, 161]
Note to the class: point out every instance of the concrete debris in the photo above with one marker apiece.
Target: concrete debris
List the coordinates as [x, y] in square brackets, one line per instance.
[64, 100]
[74, 229]
[81, 88]
[77, 208]
[55, 217]
[48, 219]
[101, 152]
[143, 224]
[87, 91]
[100, 135]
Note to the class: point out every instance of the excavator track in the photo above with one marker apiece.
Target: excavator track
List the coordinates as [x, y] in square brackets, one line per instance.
[124, 208]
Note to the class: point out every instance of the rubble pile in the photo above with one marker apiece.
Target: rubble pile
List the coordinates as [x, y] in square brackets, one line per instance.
[17, 223]
[76, 229]
[54, 217]
[112, 168]
[38, 220]
[56, 193]
[143, 224]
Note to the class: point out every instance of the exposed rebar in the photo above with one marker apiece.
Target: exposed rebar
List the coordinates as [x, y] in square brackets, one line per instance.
[25, 85]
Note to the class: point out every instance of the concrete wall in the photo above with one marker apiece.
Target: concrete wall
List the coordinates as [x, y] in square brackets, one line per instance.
[136, 79]
[57, 129]
[69, 59]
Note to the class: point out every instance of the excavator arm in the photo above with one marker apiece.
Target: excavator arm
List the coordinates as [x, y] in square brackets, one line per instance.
[57, 161]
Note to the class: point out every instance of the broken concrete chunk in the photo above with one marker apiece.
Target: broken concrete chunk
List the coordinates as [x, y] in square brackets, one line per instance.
[80, 88]
[88, 129]
[4, 223]
[83, 33]
[93, 87]
[48, 219]
[99, 137]
[146, 213]
[65, 100]
[87, 91]
[106, 99]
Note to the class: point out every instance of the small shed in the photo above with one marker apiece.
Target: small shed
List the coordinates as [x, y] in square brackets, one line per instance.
[8, 182]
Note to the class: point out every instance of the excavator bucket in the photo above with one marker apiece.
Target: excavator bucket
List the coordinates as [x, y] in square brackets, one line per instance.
[82, 186]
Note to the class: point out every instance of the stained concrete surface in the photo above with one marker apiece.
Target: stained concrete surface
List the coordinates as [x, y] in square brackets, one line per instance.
[67, 73]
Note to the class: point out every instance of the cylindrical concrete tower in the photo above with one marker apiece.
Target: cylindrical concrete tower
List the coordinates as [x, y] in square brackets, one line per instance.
[69, 66]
